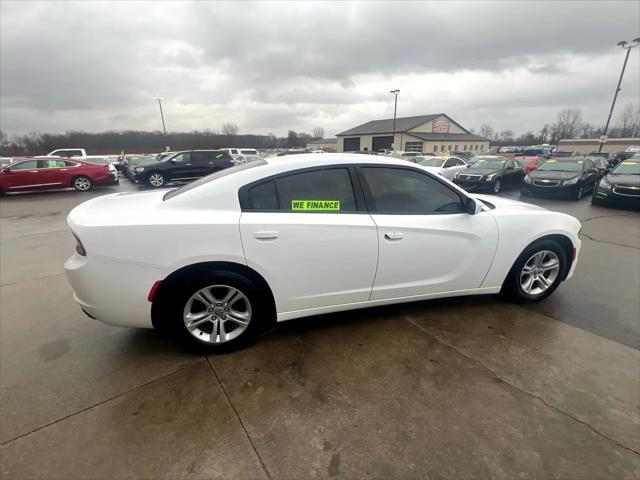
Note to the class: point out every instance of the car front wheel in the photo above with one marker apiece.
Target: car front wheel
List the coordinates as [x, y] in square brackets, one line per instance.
[537, 272]
[156, 179]
[497, 186]
[579, 192]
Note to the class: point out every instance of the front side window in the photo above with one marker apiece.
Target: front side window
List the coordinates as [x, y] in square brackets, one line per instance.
[25, 165]
[406, 191]
[181, 158]
[327, 190]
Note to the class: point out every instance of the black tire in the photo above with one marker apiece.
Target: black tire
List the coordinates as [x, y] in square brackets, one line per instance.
[595, 200]
[512, 286]
[497, 186]
[579, 192]
[156, 180]
[82, 183]
[175, 301]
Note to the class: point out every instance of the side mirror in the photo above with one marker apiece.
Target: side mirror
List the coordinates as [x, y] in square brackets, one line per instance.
[473, 206]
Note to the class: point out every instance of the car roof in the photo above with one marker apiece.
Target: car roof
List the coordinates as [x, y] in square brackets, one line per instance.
[320, 159]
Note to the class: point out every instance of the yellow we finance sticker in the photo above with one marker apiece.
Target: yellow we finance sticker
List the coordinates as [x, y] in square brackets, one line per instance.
[316, 205]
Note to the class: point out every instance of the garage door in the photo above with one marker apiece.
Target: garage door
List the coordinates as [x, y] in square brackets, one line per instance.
[351, 144]
[382, 142]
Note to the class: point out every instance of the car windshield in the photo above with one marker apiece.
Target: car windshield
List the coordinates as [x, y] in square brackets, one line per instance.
[627, 168]
[432, 162]
[494, 164]
[561, 166]
[213, 177]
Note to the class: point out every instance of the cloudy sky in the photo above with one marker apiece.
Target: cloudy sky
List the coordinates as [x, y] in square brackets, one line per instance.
[270, 67]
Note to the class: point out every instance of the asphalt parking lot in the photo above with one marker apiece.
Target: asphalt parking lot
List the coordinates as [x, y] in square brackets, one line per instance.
[468, 387]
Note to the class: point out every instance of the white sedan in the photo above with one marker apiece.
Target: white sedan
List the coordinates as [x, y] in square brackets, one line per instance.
[216, 260]
[445, 166]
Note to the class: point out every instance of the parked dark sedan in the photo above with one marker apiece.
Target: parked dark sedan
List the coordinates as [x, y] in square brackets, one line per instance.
[490, 172]
[601, 164]
[621, 186]
[573, 176]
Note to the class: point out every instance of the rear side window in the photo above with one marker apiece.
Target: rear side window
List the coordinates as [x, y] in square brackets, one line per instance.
[405, 191]
[263, 196]
[327, 190]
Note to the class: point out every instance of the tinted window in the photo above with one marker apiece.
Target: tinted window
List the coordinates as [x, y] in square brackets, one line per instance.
[318, 190]
[200, 157]
[395, 190]
[25, 165]
[264, 197]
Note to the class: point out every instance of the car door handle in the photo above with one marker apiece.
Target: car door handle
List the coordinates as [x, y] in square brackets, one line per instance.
[266, 235]
[188, 164]
[393, 236]
[33, 171]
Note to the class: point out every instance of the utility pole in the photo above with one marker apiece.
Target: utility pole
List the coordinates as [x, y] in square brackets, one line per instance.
[627, 46]
[395, 109]
[160, 99]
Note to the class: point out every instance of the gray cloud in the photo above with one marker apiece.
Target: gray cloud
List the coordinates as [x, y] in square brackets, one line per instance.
[274, 66]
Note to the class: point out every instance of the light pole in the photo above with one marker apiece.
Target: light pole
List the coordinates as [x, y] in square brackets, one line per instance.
[395, 108]
[627, 46]
[160, 99]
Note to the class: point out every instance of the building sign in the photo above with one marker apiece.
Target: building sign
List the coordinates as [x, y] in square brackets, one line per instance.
[440, 126]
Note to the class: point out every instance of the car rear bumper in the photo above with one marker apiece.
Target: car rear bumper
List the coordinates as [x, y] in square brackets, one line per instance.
[99, 289]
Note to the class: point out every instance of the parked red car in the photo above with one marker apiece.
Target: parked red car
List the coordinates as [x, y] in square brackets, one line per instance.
[47, 172]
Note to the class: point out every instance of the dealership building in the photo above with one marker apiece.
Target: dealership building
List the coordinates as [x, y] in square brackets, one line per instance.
[435, 133]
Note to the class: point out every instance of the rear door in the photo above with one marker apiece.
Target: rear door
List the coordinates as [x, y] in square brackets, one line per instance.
[308, 234]
[201, 163]
[428, 244]
[513, 173]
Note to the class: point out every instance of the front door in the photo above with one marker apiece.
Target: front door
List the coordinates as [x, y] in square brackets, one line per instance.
[24, 175]
[312, 241]
[428, 243]
[181, 166]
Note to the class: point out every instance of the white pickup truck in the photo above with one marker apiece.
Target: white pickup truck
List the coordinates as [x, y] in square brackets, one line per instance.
[68, 152]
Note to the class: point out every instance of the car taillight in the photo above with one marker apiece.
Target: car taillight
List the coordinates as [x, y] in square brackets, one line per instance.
[79, 247]
[152, 292]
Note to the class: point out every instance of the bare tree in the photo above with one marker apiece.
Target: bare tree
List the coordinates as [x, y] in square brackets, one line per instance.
[628, 124]
[318, 132]
[506, 136]
[569, 123]
[229, 129]
[487, 131]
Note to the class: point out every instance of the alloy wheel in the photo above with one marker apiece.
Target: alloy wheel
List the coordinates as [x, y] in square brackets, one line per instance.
[497, 186]
[156, 179]
[82, 183]
[217, 314]
[539, 272]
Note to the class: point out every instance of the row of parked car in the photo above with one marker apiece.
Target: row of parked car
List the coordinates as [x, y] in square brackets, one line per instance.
[571, 177]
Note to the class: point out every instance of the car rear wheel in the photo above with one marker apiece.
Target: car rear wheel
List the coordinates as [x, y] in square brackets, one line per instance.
[497, 186]
[537, 272]
[156, 179]
[216, 312]
[82, 183]
[579, 192]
